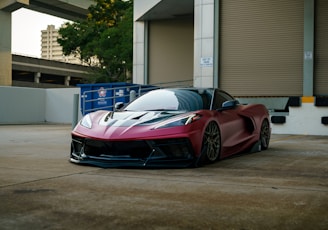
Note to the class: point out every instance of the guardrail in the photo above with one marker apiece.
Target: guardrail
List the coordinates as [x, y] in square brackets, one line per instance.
[105, 96]
[123, 94]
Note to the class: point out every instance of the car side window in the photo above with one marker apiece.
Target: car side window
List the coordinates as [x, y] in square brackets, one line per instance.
[206, 98]
[219, 98]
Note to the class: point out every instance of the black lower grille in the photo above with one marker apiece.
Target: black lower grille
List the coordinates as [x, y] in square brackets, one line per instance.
[96, 148]
[166, 149]
[179, 148]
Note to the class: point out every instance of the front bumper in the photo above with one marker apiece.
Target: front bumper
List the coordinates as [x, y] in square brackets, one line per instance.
[177, 152]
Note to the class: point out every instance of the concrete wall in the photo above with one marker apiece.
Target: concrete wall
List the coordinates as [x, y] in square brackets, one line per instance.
[59, 105]
[22, 105]
[19, 105]
[303, 120]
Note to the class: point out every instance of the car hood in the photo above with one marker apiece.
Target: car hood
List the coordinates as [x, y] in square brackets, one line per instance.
[133, 118]
[128, 124]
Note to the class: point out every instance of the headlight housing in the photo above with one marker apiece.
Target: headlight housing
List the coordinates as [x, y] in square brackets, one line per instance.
[179, 121]
[86, 121]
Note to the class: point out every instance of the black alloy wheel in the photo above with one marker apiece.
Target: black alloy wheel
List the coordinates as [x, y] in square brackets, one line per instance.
[265, 135]
[211, 143]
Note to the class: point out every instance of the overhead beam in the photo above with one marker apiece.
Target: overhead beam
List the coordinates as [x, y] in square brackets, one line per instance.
[12, 5]
[67, 9]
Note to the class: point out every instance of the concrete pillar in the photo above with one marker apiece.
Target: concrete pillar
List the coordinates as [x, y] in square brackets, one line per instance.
[308, 48]
[37, 77]
[204, 43]
[5, 49]
[140, 41]
[67, 80]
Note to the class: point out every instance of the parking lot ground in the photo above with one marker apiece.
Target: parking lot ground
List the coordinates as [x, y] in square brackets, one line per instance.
[284, 187]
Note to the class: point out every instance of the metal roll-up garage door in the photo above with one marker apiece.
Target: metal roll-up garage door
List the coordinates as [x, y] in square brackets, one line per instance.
[261, 47]
[321, 48]
[170, 50]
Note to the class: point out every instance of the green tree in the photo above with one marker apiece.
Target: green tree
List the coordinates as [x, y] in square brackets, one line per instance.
[106, 33]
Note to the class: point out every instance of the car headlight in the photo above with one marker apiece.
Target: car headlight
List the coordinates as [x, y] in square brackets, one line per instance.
[86, 121]
[180, 121]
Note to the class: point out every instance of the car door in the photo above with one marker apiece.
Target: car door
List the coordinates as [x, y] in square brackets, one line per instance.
[231, 124]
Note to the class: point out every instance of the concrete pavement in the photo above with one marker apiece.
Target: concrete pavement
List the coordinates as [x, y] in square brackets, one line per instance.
[285, 187]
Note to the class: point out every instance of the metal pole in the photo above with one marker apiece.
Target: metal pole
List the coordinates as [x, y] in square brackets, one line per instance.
[75, 110]
[132, 95]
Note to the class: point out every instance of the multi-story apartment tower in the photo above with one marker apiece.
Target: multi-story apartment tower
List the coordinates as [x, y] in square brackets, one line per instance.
[50, 48]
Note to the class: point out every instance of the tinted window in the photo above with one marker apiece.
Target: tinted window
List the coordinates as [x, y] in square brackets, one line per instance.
[172, 99]
[219, 98]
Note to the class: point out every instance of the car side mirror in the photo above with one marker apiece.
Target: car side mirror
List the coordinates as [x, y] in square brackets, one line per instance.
[118, 106]
[229, 105]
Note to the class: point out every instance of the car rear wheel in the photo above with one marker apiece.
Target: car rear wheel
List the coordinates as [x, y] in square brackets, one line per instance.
[265, 135]
[211, 144]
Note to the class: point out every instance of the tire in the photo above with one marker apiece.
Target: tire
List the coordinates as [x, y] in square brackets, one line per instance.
[265, 135]
[211, 145]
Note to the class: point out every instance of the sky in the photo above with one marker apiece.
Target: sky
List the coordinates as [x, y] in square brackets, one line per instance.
[26, 31]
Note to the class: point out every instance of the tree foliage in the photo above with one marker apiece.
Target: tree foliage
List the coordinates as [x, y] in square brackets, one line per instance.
[106, 33]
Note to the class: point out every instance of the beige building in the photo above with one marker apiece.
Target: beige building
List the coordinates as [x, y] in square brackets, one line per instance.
[50, 48]
[249, 48]
[270, 52]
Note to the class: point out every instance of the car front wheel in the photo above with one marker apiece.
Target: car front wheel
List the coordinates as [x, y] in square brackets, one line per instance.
[211, 144]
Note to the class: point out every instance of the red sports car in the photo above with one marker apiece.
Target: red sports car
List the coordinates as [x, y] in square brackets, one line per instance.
[171, 128]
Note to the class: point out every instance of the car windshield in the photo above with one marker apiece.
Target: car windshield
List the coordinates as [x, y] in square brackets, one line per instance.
[172, 100]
